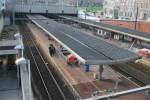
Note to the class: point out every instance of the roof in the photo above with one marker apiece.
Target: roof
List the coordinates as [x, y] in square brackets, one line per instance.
[90, 49]
[7, 47]
[121, 30]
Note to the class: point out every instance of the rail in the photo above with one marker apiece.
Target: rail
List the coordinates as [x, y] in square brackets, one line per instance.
[53, 90]
[119, 94]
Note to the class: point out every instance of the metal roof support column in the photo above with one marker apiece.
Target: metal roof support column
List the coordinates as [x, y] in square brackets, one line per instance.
[134, 42]
[101, 32]
[98, 31]
[110, 35]
[101, 70]
[141, 43]
[123, 37]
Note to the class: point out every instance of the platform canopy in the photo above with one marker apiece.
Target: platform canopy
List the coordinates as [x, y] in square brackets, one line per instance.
[117, 29]
[86, 48]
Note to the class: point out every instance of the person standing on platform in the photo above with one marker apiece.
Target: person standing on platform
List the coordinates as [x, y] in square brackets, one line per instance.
[52, 50]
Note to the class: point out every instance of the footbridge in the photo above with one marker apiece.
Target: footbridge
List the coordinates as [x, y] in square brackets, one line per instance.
[42, 6]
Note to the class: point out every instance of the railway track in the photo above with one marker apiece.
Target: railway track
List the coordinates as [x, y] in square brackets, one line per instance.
[140, 74]
[123, 69]
[142, 68]
[47, 82]
[136, 72]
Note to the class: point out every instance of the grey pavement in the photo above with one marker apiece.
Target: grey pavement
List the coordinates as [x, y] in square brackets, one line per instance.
[9, 86]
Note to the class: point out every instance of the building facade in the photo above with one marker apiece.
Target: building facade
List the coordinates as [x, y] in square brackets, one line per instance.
[144, 9]
[128, 9]
[110, 8]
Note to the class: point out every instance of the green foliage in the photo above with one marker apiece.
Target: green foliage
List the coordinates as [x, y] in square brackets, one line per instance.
[91, 8]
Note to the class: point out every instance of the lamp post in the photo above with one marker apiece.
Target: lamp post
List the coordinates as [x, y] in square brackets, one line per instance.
[136, 18]
[85, 12]
[77, 4]
[13, 15]
[85, 15]
[62, 6]
[136, 15]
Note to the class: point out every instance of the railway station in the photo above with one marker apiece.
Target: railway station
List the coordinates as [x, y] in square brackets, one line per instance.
[104, 29]
[48, 53]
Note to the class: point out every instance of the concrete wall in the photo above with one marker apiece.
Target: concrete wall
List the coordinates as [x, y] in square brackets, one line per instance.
[141, 26]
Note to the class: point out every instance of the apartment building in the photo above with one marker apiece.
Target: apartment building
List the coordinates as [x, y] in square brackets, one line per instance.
[144, 9]
[110, 8]
[128, 9]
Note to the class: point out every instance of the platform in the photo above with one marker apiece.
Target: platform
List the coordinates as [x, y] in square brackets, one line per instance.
[117, 29]
[9, 86]
[91, 52]
[25, 82]
[84, 82]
